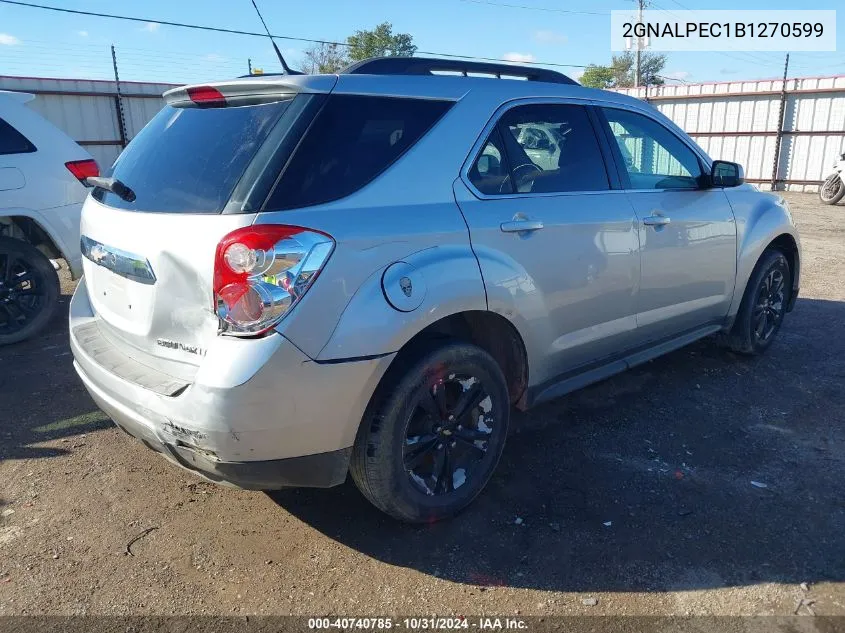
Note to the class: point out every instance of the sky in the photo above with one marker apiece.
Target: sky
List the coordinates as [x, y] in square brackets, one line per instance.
[41, 43]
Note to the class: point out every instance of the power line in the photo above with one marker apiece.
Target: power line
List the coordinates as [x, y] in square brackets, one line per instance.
[548, 9]
[199, 27]
[666, 78]
[218, 29]
[751, 58]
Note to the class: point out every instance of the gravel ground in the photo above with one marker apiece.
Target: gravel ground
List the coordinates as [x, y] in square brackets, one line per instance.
[636, 492]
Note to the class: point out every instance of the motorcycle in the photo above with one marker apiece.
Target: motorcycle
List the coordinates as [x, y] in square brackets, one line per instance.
[833, 189]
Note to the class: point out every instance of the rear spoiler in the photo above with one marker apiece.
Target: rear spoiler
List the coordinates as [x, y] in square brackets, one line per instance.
[20, 97]
[248, 91]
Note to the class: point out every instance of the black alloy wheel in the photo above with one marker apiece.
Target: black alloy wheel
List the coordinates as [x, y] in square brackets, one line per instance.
[29, 290]
[448, 433]
[433, 433]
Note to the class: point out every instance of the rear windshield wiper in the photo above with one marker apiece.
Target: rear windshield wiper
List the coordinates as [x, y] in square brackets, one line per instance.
[113, 185]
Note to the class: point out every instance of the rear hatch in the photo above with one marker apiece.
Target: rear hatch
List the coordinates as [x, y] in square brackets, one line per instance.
[199, 170]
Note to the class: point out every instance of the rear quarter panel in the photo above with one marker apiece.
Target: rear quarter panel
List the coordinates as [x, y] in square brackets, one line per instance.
[345, 314]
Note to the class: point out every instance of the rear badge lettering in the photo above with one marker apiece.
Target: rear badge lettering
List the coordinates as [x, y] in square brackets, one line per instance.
[191, 349]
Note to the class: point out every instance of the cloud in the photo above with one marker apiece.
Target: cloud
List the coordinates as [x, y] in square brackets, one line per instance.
[519, 57]
[8, 40]
[82, 33]
[214, 57]
[151, 27]
[729, 71]
[576, 74]
[680, 75]
[549, 37]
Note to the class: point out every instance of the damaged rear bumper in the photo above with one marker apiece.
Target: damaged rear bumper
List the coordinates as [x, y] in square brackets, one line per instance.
[260, 414]
[321, 470]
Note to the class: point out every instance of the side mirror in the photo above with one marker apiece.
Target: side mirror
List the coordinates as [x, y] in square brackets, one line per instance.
[726, 174]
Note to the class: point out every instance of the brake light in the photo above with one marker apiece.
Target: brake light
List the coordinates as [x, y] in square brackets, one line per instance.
[261, 272]
[206, 96]
[82, 169]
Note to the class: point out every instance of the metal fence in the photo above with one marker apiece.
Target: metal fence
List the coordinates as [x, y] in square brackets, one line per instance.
[740, 121]
[92, 112]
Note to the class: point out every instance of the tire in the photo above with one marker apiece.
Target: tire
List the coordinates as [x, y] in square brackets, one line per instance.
[29, 290]
[828, 193]
[407, 440]
[771, 272]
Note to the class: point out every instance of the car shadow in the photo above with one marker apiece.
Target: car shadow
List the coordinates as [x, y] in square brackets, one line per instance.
[701, 469]
[41, 397]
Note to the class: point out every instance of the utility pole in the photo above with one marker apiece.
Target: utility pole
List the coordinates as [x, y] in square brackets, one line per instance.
[779, 139]
[249, 65]
[639, 40]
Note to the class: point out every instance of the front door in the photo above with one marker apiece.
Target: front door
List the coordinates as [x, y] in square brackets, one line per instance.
[687, 233]
[558, 248]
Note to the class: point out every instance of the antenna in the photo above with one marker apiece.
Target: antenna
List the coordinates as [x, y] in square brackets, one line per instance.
[285, 67]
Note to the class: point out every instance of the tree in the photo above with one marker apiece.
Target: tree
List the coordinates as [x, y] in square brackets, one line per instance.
[651, 65]
[324, 59]
[380, 42]
[624, 67]
[597, 77]
[620, 72]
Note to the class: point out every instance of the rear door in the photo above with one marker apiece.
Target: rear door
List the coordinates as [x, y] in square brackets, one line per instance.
[687, 233]
[557, 245]
[197, 173]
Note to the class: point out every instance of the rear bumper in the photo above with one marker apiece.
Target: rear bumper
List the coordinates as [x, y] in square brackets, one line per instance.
[321, 470]
[289, 421]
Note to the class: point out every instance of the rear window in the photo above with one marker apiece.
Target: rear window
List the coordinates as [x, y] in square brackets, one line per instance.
[12, 141]
[351, 141]
[188, 160]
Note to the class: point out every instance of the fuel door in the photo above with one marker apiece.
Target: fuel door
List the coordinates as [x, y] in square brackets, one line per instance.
[403, 286]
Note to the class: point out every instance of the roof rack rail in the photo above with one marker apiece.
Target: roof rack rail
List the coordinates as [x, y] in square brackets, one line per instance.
[431, 66]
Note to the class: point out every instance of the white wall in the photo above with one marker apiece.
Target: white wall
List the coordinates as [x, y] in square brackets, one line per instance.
[85, 109]
[738, 121]
[734, 121]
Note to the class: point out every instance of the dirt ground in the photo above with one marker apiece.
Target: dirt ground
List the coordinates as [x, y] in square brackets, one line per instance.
[637, 492]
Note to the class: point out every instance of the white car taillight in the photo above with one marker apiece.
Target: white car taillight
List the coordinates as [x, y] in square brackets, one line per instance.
[261, 271]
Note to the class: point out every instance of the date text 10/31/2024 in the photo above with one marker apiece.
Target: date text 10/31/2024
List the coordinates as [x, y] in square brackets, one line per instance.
[418, 623]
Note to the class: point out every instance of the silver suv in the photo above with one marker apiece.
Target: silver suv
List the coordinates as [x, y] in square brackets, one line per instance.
[291, 278]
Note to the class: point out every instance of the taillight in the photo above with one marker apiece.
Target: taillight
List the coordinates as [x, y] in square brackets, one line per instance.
[206, 96]
[82, 169]
[261, 271]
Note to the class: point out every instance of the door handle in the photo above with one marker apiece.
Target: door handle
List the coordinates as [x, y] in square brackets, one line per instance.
[656, 220]
[518, 226]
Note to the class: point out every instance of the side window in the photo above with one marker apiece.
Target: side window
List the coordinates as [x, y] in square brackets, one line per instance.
[351, 141]
[490, 173]
[552, 148]
[653, 156]
[12, 141]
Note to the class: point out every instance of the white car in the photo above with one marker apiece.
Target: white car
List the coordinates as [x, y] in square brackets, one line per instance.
[41, 193]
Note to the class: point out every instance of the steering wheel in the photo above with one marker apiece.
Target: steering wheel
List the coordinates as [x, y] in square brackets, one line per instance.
[523, 172]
